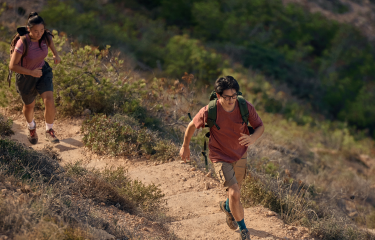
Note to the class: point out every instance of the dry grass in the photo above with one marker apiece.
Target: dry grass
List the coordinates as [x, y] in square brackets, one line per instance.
[326, 189]
[40, 200]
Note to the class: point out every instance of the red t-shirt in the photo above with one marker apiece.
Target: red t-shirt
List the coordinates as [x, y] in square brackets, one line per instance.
[224, 144]
[35, 56]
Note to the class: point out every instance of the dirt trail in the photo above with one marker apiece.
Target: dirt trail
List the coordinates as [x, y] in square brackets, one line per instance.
[192, 207]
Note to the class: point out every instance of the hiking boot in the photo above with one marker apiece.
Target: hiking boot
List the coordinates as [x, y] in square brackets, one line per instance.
[50, 136]
[232, 224]
[244, 235]
[32, 136]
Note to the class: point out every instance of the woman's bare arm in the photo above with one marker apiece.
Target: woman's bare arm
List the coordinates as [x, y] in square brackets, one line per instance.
[13, 65]
[56, 56]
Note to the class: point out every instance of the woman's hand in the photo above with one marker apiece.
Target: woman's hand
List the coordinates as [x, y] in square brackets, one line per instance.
[36, 72]
[57, 59]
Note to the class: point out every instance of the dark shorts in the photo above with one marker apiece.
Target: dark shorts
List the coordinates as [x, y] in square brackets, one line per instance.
[28, 86]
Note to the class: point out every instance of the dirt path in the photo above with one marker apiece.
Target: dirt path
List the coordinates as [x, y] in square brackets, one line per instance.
[191, 197]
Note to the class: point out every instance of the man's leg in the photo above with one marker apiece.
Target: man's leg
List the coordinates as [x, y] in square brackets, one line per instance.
[235, 205]
[234, 196]
[225, 173]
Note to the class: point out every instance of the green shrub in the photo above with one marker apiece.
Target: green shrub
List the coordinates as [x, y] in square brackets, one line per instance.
[112, 186]
[117, 136]
[185, 54]
[147, 197]
[26, 163]
[332, 228]
[5, 126]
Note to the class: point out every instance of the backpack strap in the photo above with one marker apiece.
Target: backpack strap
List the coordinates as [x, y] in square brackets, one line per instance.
[244, 112]
[212, 114]
[243, 108]
[25, 48]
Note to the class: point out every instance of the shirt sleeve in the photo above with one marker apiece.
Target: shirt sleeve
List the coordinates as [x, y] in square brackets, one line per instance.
[254, 118]
[19, 46]
[201, 118]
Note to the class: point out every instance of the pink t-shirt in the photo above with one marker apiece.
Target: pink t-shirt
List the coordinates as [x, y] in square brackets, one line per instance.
[35, 55]
[224, 144]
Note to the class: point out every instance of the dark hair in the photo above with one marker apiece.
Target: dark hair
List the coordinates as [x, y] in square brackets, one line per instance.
[224, 83]
[35, 19]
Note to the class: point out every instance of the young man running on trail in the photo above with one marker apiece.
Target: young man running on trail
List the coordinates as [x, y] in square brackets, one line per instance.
[34, 75]
[228, 146]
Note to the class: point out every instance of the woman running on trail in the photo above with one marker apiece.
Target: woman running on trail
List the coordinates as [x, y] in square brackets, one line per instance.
[34, 75]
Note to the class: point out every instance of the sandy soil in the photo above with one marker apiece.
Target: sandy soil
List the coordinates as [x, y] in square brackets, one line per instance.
[191, 197]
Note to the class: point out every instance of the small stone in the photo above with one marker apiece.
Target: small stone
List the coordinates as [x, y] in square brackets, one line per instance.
[22, 197]
[193, 169]
[27, 188]
[208, 174]
[292, 228]
[19, 190]
[182, 162]
[86, 112]
[183, 179]
[77, 132]
[145, 229]
[3, 191]
[102, 203]
[270, 214]
[3, 237]
[154, 224]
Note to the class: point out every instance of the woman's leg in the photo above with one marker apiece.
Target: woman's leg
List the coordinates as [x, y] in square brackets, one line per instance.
[49, 116]
[50, 110]
[28, 111]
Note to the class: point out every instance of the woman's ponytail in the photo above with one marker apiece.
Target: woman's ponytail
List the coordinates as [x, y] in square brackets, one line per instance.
[32, 14]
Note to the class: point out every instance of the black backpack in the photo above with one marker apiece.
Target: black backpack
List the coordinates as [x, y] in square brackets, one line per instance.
[21, 32]
[212, 115]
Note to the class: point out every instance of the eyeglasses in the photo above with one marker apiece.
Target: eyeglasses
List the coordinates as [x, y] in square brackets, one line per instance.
[227, 98]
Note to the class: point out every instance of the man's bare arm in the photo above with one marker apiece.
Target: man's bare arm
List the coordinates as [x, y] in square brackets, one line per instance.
[185, 150]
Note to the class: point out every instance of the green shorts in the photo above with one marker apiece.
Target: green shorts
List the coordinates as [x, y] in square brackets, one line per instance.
[231, 173]
[28, 86]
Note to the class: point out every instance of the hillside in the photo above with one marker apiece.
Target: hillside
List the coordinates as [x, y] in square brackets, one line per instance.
[324, 64]
[191, 198]
[360, 13]
[126, 105]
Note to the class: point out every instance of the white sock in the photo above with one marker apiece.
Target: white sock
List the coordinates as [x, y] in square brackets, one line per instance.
[31, 125]
[49, 126]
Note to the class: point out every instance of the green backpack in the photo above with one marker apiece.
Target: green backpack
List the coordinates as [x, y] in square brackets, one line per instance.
[212, 115]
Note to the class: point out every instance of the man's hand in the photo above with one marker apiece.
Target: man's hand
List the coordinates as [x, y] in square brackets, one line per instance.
[246, 140]
[36, 72]
[185, 153]
[57, 59]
